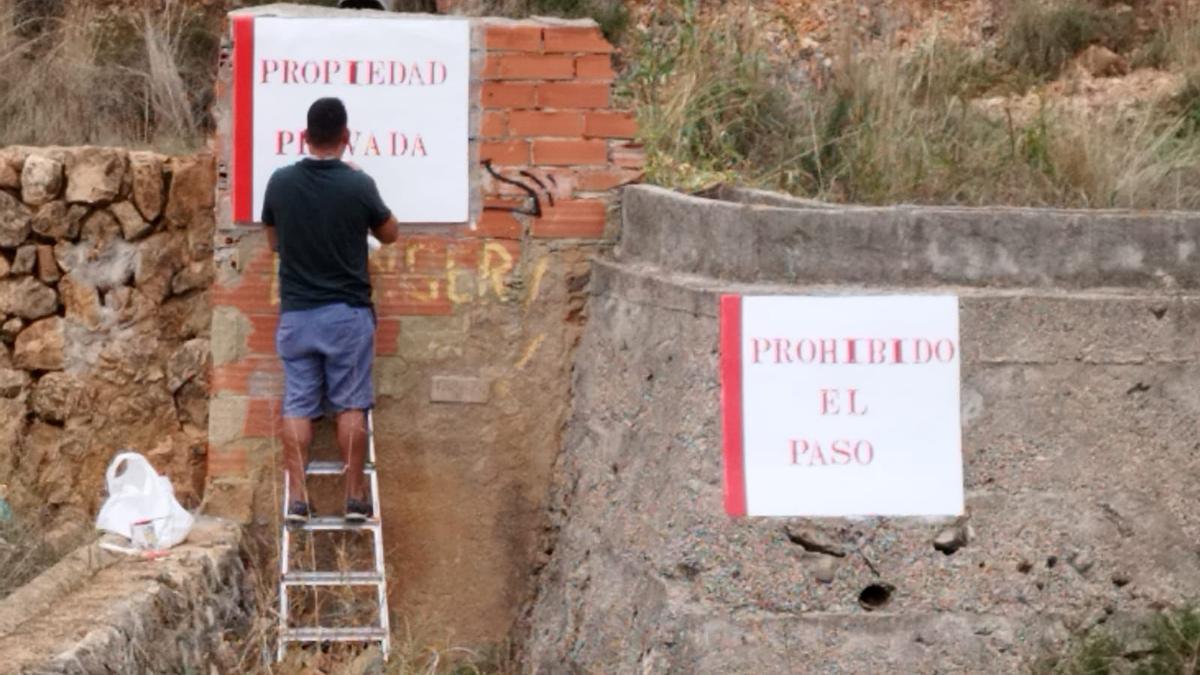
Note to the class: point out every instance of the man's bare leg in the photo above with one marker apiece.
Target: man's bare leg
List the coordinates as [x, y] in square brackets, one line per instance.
[352, 440]
[297, 436]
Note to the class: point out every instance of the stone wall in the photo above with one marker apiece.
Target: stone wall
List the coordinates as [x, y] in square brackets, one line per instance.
[99, 612]
[1081, 353]
[477, 325]
[105, 264]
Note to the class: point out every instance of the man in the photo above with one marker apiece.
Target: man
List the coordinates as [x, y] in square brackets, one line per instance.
[318, 213]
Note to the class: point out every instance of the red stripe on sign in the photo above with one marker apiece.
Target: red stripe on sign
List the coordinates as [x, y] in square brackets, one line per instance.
[243, 118]
[731, 404]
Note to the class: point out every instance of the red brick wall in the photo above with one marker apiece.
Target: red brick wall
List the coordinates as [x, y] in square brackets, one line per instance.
[500, 299]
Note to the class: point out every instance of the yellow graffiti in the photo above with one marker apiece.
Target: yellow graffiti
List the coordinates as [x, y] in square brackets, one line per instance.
[383, 260]
[530, 350]
[493, 271]
[535, 286]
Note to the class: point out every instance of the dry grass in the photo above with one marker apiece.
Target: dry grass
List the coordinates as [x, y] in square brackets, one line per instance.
[894, 126]
[77, 72]
[24, 554]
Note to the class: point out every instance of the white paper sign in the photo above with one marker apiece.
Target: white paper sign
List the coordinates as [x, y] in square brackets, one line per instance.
[405, 85]
[841, 406]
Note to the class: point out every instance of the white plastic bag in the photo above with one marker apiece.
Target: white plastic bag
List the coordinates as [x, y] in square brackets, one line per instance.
[141, 505]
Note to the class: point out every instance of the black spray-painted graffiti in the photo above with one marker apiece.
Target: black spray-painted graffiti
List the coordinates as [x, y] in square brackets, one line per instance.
[535, 193]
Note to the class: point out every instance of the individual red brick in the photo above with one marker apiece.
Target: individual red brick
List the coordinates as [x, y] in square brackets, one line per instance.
[262, 336]
[387, 331]
[538, 123]
[513, 38]
[501, 224]
[229, 460]
[251, 295]
[253, 376]
[463, 254]
[504, 152]
[263, 418]
[528, 67]
[508, 95]
[576, 39]
[610, 125]
[600, 180]
[493, 123]
[595, 67]
[629, 155]
[573, 95]
[424, 254]
[580, 218]
[557, 152]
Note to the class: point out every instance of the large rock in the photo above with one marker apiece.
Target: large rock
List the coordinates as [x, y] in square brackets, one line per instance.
[13, 383]
[191, 359]
[147, 171]
[48, 270]
[5, 356]
[41, 180]
[159, 257]
[4, 266]
[81, 301]
[11, 328]
[27, 298]
[11, 163]
[94, 175]
[197, 275]
[12, 428]
[133, 226]
[57, 396]
[14, 221]
[193, 189]
[24, 261]
[41, 346]
[57, 220]
[102, 257]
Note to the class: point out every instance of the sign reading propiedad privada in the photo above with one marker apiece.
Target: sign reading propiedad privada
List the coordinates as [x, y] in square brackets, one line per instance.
[405, 84]
[841, 406]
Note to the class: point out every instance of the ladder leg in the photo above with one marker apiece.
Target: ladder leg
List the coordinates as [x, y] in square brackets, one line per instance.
[284, 552]
[377, 536]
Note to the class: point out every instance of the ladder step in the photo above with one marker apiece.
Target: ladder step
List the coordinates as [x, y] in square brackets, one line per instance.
[333, 468]
[332, 579]
[336, 523]
[364, 634]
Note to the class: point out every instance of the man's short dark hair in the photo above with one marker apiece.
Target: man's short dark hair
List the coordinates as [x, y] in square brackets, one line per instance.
[326, 122]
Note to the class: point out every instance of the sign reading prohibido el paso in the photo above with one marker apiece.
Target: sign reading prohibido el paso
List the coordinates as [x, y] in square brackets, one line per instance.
[404, 83]
[841, 406]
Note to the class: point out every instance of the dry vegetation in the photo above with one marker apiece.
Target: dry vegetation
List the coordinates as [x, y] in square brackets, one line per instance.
[887, 125]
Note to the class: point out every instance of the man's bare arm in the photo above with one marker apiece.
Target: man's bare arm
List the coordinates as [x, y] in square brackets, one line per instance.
[389, 231]
[272, 238]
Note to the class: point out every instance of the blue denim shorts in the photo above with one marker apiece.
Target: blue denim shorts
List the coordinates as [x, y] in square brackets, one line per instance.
[327, 354]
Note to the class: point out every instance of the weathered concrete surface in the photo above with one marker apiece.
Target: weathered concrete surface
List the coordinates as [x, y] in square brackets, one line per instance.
[96, 612]
[1079, 427]
[911, 246]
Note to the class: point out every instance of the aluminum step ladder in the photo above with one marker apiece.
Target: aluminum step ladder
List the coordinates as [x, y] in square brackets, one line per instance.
[377, 577]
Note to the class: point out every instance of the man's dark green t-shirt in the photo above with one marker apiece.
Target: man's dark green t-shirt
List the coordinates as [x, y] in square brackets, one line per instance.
[322, 210]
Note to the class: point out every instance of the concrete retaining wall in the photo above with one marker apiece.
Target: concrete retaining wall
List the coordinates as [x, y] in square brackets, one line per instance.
[1079, 397]
[96, 612]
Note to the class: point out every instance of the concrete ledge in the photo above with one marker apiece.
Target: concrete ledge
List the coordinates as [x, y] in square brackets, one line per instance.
[801, 243]
[95, 612]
